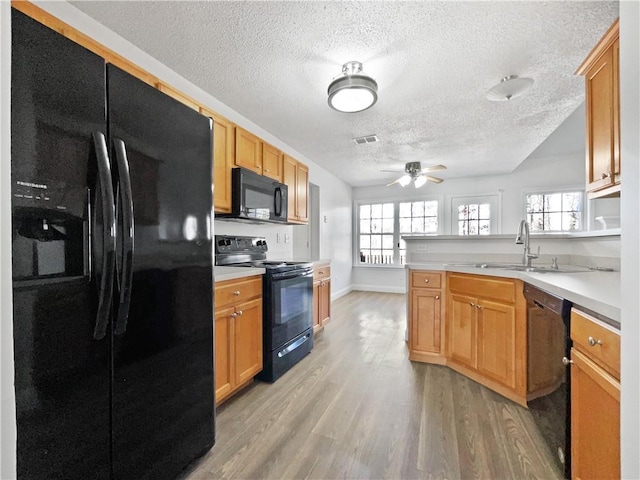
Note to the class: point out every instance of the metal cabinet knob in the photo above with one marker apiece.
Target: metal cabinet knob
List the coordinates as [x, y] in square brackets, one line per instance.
[566, 362]
[426, 280]
[237, 293]
[234, 315]
[239, 312]
[593, 342]
[472, 304]
[605, 175]
[437, 297]
[478, 306]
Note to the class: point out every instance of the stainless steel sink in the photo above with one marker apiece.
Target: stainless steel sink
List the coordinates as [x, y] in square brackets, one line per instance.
[522, 268]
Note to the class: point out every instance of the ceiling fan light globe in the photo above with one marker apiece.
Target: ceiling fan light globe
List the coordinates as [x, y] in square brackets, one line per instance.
[420, 181]
[404, 180]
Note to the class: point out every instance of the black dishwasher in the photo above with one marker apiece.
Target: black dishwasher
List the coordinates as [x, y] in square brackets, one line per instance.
[548, 378]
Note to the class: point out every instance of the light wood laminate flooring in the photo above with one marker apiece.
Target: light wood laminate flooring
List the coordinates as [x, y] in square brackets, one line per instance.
[357, 408]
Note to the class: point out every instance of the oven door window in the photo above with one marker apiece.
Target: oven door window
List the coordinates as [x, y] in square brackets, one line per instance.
[292, 308]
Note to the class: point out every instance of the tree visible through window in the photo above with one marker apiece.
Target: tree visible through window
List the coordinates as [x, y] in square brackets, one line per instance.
[554, 212]
[474, 219]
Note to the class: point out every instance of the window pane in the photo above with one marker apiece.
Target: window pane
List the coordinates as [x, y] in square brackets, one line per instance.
[376, 241]
[365, 211]
[405, 209]
[462, 228]
[387, 225]
[473, 228]
[387, 210]
[473, 211]
[376, 211]
[405, 225]
[555, 221]
[555, 202]
[463, 212]
[417, 225]
[572, 201]
[571, 221]
[365, 226]
[418, 209]
[485, 227]
[485, 211]
[365, 241]
[387, 241]
[536, 222]
[431, 225]
[431, 209]
[387, 256]
[376, 225]
[534, 203]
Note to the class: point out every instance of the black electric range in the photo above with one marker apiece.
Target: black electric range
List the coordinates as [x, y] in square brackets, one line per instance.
[287, 299]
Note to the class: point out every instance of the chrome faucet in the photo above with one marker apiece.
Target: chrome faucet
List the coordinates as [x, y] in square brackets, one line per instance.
[522, 237]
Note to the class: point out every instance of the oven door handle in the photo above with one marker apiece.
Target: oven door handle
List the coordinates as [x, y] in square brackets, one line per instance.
[292, 274]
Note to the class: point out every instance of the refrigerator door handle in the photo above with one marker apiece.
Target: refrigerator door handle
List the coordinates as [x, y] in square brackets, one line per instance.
[126, 200]
[105, 293]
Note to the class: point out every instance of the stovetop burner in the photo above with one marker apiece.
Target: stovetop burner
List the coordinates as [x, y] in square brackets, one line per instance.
[251, 252]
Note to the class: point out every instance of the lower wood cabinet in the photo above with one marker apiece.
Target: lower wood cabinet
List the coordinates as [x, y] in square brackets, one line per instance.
[321, 296]
[595, 399]
[426, 316]
[238, 334]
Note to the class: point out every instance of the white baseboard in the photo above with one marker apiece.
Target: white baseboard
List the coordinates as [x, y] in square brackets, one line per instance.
[379, 288]
[340, 293]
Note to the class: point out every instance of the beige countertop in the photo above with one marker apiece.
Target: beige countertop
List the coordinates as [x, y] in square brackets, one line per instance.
[220, 274]
[593, 290]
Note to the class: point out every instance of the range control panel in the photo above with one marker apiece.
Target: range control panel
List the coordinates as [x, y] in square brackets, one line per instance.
[233, 244]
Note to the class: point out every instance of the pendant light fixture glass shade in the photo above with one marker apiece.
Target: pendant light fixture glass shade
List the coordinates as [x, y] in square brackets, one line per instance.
[353, 91]
[509, 88]
[420, 181]
[405, 180]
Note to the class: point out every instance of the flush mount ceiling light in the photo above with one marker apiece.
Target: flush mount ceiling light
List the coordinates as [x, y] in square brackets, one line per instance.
[509, 88]
[353, 91]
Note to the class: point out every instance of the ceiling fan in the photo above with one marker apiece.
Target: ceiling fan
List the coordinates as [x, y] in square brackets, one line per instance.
[414, 172]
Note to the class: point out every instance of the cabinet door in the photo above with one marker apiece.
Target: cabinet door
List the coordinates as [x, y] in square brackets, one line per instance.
[462, 330]
[248, 151]
[600, 122]
[179, 96]
[616, 112]
[223, 352]
[424, 333]
[248, 340]
[595, 420]
[496, 341]
[302, 192]
[223, 145]
[271, 162]
[289, 179]
[324, 307]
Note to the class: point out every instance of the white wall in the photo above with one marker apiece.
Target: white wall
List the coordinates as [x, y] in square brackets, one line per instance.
[7, 398]
[630, 209]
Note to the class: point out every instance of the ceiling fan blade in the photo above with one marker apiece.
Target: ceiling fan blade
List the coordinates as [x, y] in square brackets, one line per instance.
[392, 183]
[433, 168]
[393, 171]
[434, 179]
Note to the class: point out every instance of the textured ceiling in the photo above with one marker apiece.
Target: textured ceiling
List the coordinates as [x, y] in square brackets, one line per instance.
[433, 61]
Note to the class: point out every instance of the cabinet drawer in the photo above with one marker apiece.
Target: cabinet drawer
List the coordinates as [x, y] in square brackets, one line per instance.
[597, 341]
[233, 292]
[426, 279]
[321, 273]
[484, 287]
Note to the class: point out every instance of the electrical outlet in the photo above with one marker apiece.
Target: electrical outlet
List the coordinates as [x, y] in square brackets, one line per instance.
[278, 238]
[287, 238]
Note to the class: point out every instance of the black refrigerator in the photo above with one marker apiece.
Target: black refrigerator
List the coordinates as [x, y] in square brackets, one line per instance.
[112, 267]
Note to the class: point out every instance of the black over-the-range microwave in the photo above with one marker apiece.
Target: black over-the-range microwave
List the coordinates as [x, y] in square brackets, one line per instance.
[256, 197]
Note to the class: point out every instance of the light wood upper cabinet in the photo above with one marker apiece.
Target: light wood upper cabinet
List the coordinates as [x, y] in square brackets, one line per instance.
[602, 91]
[177, 95]
[223, 149]
[248, 151]
[595, 399]
[271, 162]
[296, 177]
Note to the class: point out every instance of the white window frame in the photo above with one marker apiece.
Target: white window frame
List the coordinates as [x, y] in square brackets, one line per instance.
[565, 189]
[493, 199]
[396, 227]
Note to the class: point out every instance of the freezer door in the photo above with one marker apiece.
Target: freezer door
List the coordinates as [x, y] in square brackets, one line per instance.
[62, 374]
[163, 406]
